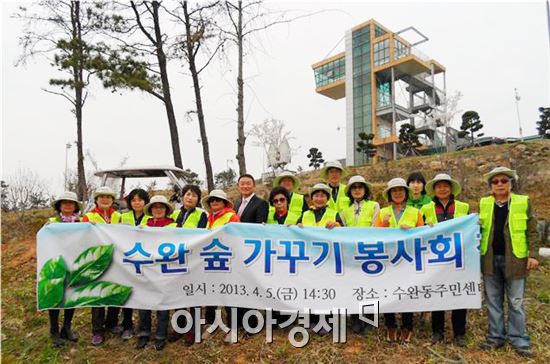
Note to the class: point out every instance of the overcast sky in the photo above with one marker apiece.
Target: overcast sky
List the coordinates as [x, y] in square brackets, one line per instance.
[488, 49]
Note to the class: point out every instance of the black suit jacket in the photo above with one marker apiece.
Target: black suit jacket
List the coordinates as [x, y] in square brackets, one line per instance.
[255, 211]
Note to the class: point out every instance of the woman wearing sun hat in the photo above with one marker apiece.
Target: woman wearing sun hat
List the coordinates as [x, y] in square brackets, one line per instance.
[398, 215]
[159, 209]
[67, 208]
[360, 212]
[220, 209]
[220, 212]
[291, 183]
[332, 173]
[444, 206]
[320, 214]
[103, 213]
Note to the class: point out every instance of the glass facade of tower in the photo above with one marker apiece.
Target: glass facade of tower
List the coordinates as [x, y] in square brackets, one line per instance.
[362, 100]
[330, 72]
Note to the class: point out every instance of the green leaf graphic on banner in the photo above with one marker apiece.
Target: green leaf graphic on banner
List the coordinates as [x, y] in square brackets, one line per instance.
[51, 284]
[91, 264]
[99, 294]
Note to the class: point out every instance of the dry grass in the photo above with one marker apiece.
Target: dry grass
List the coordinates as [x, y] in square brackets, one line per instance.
[25, 333]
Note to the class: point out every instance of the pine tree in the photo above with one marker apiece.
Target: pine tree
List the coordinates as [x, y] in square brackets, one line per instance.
[366, 146]
[471, 124]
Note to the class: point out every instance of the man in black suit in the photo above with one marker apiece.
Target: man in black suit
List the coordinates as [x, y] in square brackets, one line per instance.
[251, 209]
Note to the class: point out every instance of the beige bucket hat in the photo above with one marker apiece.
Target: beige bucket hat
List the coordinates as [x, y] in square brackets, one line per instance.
[501, 170]
[396, 182]
[67, 196]
[104, 191]
[319, 187]
[158, 199]
[287, 174]
[358, 179]
[333, 164]
[455, 186]
[217, 194]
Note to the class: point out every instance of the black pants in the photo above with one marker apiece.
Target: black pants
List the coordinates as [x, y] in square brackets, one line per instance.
[406, 317]
[210, 314]
[100, 323]
[54, 320]
[458, 318]
[163, 319]
[127, 323]
[241, 311]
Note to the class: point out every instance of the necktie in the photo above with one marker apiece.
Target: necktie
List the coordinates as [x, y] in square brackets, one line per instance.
[242, 207]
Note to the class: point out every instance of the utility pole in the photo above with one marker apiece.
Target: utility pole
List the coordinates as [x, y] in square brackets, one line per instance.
[517, 109]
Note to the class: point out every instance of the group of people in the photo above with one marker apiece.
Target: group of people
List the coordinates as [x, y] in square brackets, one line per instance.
[508, 236]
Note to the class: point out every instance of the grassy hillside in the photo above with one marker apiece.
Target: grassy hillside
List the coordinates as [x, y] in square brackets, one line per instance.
[25, 331]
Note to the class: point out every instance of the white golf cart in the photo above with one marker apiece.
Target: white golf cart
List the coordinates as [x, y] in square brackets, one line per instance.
[117, 177]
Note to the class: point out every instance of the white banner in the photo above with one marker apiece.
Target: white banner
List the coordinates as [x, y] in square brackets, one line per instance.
[260, 266]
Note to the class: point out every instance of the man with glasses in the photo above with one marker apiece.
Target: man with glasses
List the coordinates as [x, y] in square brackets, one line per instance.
[508, 251]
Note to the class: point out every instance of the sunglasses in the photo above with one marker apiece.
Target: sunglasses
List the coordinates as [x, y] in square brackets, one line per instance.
[277, 200]
[215, 199]
[501, 181]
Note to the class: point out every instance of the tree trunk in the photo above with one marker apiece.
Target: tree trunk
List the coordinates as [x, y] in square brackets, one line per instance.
[79, 102]
[241, 139]
[161, 56]
[198, 100]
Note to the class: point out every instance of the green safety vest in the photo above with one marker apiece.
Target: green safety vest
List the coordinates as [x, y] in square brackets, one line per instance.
[341, 199]
[296, 204]
[409, 217]
[221, 221]
[428, 211]
[517, 223]
[365, 216]
[192, 221]
[127, 218]
[98, 219]
[308, 219]
[291, 217]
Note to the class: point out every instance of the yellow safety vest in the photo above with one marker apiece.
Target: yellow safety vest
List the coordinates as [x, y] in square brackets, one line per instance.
[127, 218]
[291, 217]
[296, 204]
[221, 221]
[341, 199]
[517, 223]
[98, 219]
[428, 211]
[365, 216]
[192, 221]
[308, 219]
[409, 217]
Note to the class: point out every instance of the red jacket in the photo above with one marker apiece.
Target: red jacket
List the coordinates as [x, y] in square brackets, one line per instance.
[100, 211]
[160, 222]
[212, 218]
